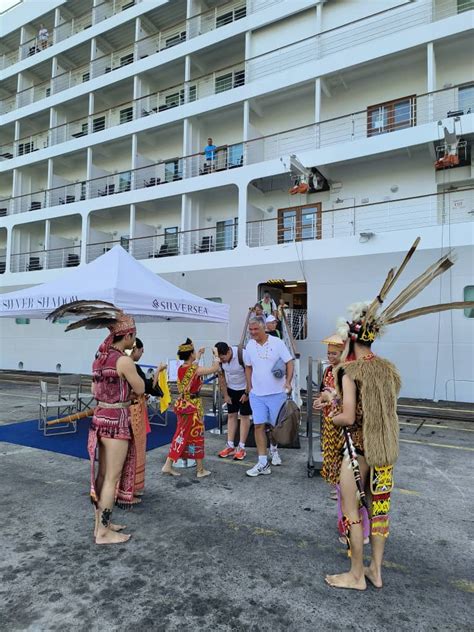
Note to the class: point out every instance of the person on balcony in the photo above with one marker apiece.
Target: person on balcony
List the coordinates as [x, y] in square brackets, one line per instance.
[233, 387]
[269, 370]
[210, 155]
[43, 37]
[188, 439]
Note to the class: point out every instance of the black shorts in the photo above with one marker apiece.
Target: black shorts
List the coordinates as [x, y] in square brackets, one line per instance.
[237, 406]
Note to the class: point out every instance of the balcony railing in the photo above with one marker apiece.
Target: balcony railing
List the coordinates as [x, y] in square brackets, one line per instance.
[309, 49]
[365, 220]
[221, 80]
[225, 157]
[202, 240]
[357, 126]
[67, 257]
[186, 29]
[68, 28]
[3, 263]
[347, 36]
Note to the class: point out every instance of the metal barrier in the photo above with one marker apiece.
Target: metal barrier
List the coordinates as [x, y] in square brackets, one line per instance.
[314, 464]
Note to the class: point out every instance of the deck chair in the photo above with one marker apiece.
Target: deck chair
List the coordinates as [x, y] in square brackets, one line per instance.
[68, 389]
[60, 408]
[85, 399]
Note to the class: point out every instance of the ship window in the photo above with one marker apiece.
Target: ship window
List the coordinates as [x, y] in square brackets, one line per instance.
[22, 321]
[469, 296]
[214, 299]
[126, 115]
[391, 116]
[98, 124]
[226, 234]
[465, 5]
[466, 98]
[299, 223]
[126, 59]
[224, 82]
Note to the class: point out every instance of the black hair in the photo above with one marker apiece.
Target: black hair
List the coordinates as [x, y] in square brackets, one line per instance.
[222, 348]
[138, 343]
[185, 355]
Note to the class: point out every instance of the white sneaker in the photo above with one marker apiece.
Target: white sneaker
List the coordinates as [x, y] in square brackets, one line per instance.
[276, 460]
[258, 469]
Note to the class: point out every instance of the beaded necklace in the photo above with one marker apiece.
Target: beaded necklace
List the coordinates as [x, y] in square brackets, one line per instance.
[265, 348]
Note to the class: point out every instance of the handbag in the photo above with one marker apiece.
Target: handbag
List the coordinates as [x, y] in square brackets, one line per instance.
[279, 369]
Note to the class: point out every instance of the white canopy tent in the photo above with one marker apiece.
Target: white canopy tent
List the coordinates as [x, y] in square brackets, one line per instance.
[120, 279]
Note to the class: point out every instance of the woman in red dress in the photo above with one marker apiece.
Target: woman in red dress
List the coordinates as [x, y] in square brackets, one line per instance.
[188, 440]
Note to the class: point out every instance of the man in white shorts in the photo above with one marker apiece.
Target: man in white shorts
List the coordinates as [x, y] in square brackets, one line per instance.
[263, 356]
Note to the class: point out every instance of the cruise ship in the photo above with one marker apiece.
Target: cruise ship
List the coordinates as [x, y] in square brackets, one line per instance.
[235, 147]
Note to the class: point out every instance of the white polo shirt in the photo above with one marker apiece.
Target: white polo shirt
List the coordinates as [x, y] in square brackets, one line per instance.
[262, 358]
[234, 372]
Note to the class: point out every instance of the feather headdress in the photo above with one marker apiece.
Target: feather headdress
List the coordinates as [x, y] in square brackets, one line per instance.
[367, 322]
[96, 315]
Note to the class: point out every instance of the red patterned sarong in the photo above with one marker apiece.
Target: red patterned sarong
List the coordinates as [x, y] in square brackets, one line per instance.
[188, 440]
[140, 425]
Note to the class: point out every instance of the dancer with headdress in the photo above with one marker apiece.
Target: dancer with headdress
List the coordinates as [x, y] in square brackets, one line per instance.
[368, 388]
[115, 382]
[188, 439]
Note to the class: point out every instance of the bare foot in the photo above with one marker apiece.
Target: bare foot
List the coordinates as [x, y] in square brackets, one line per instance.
[138, 494]
[117, 527]
[169, 470]
[346, 580]
[112, 537]
[112, 527]
[374, 578]
[203, 473]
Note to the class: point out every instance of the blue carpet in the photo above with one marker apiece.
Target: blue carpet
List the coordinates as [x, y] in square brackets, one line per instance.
[26, 433]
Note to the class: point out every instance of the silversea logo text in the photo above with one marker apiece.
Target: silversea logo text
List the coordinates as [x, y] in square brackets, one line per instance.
[186, 308]
[36, 302]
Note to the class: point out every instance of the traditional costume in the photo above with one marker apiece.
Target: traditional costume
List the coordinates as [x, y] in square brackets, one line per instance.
[374, 434]
[114, 416]
[332, 439]
[188, 440]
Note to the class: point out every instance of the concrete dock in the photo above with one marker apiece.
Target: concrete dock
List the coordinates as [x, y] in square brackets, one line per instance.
[230, 553]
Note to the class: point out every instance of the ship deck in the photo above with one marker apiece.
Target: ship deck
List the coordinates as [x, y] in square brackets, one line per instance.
[229, 552]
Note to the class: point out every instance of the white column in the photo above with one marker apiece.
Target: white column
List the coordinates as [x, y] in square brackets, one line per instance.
[131, 230]
[8, 252]
[242, 227]
[246, 131]
[319, 27]
[430, 77]
[84, 236]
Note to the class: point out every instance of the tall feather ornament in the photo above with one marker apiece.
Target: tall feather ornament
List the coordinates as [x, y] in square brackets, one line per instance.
[429, 309]
[417, 285]
[390, 280]
[96, 314]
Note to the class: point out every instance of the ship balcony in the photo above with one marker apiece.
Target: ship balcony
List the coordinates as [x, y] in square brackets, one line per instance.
[80, 16]
[356, 135]
[352, 35]
[161, 100]
[75, 18]
[218, 233]
[310, 222]
[174, 242]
